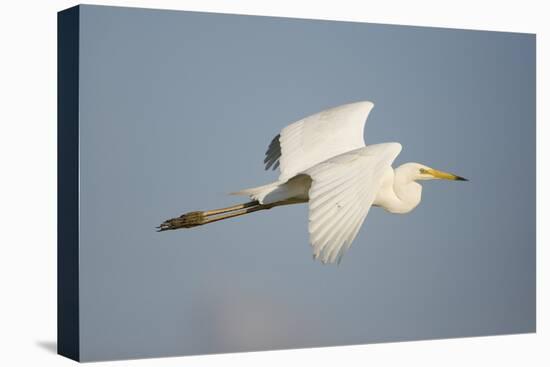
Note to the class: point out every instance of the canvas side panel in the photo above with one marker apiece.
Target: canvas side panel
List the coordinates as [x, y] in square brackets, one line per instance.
[67, 183]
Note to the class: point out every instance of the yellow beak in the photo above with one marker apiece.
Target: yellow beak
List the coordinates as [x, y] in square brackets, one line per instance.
[444, 175]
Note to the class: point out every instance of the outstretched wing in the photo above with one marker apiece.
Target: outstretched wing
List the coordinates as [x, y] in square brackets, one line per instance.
[318, 137]
[342, 191]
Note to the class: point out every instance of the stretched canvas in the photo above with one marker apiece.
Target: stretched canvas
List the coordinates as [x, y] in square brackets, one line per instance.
[163, 113]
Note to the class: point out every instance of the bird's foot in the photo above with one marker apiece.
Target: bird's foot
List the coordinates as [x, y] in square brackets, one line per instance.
[188, 220]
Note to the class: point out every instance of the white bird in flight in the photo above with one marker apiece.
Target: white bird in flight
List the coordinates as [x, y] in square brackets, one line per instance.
[323, 160]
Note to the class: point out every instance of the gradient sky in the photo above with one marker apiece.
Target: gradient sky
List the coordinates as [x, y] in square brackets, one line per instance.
[177, 110]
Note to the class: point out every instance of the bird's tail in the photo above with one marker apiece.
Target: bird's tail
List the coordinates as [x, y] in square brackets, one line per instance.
[258, 193]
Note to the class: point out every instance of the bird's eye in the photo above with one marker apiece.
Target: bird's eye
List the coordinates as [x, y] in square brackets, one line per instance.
[423, 171]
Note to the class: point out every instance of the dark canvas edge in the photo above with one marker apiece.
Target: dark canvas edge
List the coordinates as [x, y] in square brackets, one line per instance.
[68, 326]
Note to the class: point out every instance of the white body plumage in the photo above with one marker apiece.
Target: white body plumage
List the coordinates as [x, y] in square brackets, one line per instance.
[324, 160]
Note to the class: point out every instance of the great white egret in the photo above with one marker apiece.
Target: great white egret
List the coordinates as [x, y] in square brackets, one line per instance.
[323, 160]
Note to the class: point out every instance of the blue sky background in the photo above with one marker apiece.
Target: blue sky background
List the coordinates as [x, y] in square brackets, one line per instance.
[177, 110]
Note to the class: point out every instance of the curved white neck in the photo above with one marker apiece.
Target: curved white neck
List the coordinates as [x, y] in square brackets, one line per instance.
[407, 190]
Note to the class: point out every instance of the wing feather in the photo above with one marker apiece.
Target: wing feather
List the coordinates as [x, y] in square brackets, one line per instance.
[318, 137]
[273, 153]
[342, 191]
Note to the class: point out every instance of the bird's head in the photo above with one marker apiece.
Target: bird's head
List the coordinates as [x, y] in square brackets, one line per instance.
[417, 172]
